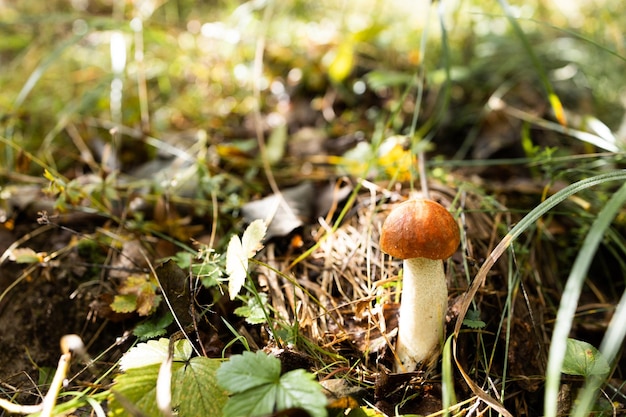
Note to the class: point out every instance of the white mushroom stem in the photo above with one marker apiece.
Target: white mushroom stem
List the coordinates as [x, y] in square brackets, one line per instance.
[422, 313]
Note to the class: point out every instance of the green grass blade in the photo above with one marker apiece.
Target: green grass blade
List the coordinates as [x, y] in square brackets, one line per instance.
[611, 345]
[569, 302]
[447, 377]
[525, 223]
[615, 334]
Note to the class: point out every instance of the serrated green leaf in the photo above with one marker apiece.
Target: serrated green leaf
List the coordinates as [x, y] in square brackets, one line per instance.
[474, 324]
[298, 389]
[257, 401]
[254, 310]
[138, 387]
[195, 390]
[258, 388]
[582, 358]
[248, 370]
[473, 321]
[153, 327]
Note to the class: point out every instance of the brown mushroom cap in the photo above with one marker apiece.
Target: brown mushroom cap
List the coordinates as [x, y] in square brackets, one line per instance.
[419, 228]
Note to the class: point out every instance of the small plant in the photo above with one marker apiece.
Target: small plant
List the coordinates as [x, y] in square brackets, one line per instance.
[257, 388]
[199, 386]
[191, 387]
[254, 309]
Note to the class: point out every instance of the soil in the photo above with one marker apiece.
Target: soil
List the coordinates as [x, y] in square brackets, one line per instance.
[45, 302]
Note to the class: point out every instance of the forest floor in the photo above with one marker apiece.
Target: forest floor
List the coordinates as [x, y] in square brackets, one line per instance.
[96, 241]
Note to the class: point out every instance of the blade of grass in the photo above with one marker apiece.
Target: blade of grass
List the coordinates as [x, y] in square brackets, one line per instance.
[476, 389]
[448, 396]
[582, 37]
[591, 138]
[611, 345]
[525, 223]
[616, 332]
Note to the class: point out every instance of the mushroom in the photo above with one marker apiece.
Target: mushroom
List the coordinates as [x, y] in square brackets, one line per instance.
[422, 233]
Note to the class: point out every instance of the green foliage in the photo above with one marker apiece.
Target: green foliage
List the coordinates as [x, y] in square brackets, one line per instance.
[194, 388]
[137, 386]
[257, 388]
[153, 327]
[573, 288]
[582, 358]
[254, 310]
[208, 270]
[194, 393]
[472, 320]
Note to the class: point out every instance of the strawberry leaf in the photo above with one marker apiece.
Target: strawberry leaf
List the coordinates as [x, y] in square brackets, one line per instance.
[194, 386]
[257, 387]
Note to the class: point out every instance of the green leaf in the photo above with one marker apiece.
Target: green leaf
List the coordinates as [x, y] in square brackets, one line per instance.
[195, 390]
[254, 310]
[248, 370]
[582, 358]
[210, 270]
[26, 256]
[136, 386]
[238, 253]
[258, 401]
[258, 388]
[472, 320]
[299, 389]
[153, 327]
